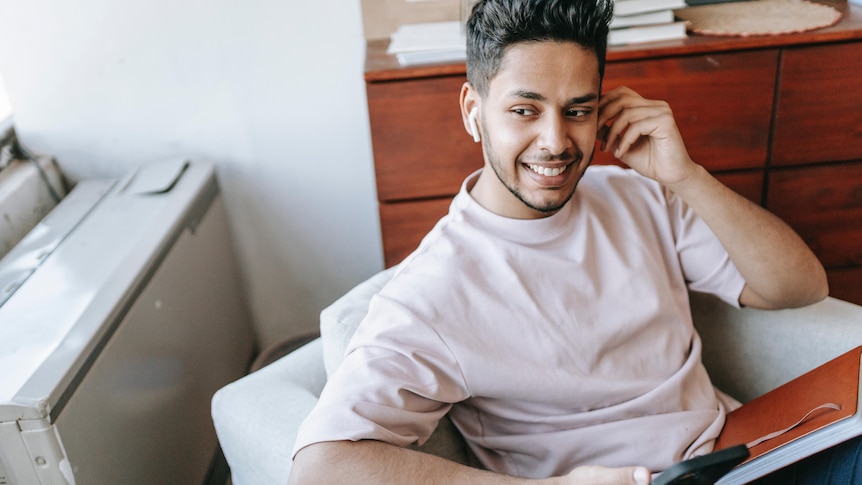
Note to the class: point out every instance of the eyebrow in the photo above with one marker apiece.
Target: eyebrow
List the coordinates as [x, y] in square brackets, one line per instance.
[523, 93]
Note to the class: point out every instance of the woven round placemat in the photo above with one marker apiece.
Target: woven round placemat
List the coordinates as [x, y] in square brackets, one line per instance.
[758, 17]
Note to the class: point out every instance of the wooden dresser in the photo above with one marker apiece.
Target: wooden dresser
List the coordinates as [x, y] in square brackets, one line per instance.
[777, 118]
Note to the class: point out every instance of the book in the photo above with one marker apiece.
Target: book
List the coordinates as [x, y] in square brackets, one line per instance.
[428, 42]
[647, 33]
[649, 18]
[811, 413]
[427, 36]
[624, 8]
[430, 57]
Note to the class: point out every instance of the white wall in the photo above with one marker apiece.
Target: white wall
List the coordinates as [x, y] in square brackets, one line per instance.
[269, 90]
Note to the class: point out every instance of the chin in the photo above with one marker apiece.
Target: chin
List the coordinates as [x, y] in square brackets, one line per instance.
[548, 206]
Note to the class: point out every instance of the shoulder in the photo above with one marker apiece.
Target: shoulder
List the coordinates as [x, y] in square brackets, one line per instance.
[616, 176]
[610, 184]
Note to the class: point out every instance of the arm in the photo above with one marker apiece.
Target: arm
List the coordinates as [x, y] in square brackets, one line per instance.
[375, 462]
[778, 267]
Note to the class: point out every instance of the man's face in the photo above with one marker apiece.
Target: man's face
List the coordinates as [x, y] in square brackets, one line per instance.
[538, 124]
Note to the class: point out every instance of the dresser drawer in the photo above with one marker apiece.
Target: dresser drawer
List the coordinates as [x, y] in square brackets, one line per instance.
[404, 224]
[746, 184]
[420, 146]
[846, 284]
[721, 102]
[819, 105]
[422, 150]
[824, 205]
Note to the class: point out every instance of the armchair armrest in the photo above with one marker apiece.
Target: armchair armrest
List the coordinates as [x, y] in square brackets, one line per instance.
[257, 417]
[749, 352]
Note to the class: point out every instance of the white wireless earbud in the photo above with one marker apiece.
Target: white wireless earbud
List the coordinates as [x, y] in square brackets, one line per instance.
[474, 127]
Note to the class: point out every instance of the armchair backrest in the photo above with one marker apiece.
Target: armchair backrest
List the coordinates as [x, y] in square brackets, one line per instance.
[746, 351]
[339, 320]
[749, 352]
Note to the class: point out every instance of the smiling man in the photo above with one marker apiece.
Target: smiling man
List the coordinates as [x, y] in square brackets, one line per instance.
[538, 134]
[547, 314]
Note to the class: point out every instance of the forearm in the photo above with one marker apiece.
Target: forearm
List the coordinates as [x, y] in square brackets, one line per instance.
[778, 267]
[374, 462]
[377, 463]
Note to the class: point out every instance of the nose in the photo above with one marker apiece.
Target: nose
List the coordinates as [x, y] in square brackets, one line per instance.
[554, 135]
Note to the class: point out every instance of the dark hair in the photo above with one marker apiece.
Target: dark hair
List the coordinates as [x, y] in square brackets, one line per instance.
[495, 25]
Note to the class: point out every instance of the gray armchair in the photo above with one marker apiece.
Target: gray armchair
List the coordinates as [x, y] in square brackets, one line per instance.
[747, 352]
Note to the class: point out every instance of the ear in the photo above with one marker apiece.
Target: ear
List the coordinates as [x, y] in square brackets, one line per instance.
[469, 101]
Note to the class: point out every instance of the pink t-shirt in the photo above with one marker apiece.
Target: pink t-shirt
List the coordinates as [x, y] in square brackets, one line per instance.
[551, 343]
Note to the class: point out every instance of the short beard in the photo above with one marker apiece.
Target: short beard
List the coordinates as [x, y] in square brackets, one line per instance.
[548, 209]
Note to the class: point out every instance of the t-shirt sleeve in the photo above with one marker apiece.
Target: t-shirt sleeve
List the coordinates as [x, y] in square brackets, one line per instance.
[706, 266]
[397, 380]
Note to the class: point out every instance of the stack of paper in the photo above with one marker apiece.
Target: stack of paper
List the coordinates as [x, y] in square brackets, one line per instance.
[428, 42]
[695, 3]
[637, 21]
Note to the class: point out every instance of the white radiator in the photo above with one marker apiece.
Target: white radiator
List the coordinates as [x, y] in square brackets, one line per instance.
[122, 315]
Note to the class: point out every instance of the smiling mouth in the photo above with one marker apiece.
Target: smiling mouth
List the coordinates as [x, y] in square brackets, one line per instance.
[547, 171]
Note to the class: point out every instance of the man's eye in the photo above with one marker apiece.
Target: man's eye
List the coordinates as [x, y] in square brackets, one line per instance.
[523, 111]
[578, 113]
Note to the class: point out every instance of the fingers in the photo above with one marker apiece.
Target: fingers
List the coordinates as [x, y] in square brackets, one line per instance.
[625, 116]
[612, 97]
[643, 134]
[635, 122]
[612, 102]
[598, 475]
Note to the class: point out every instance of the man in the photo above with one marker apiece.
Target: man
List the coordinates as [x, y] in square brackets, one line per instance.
[548, 313]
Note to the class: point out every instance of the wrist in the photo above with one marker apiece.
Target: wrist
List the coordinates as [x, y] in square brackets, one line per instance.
[690, 182]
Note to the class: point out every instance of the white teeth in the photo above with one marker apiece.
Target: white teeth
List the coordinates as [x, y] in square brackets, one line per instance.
[548, 171]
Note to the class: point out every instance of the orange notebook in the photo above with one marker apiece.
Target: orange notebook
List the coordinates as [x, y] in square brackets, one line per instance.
[813, 412]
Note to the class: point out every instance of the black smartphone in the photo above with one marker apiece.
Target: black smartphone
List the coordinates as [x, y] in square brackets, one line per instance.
[703, 470]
